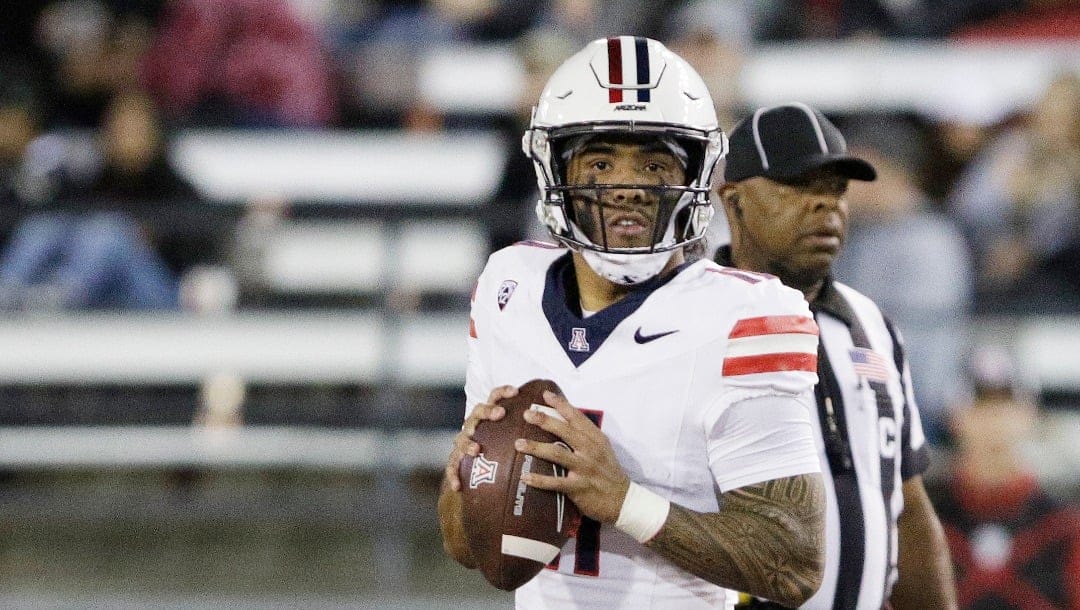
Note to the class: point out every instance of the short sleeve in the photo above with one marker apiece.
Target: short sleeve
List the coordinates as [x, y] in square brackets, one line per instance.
[763, 438]
[478, 383]
[772, 345]
[758, 424]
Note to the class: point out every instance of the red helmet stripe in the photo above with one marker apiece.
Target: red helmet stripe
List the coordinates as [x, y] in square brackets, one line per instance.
[614, 68]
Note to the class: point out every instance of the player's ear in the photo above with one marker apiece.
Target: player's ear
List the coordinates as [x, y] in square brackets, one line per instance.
[729, 194]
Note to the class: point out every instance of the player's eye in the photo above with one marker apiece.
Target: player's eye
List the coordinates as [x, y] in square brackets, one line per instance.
[654, 167]
[600, 165]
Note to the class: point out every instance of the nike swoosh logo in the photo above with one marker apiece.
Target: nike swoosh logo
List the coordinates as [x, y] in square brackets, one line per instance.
[640, 338]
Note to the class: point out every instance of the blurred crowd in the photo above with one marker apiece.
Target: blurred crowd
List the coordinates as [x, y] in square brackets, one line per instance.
[130, 73]
[967, 218]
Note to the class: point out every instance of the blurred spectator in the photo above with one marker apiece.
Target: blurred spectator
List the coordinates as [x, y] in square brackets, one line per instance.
[64, 261]
[1034, 20]
[221, 402]
[487, 20]
[1014, 547]
[262, 221]
[713, 36]
[240, 63]
[380, 50]
[135, 171]
[586, 20]
[910, 260]
[91, 252]
[953, 142]
[830, 19]
[541, 51]
[20, 120]
[95, 50]
[18, 36]
[1019, 201]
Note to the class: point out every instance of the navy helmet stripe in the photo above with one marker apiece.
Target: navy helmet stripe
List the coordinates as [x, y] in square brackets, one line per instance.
[641, 50]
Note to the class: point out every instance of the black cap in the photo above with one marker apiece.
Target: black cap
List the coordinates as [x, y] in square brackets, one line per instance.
[785, 142]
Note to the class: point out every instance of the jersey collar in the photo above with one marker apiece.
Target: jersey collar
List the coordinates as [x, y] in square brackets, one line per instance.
[582, 337]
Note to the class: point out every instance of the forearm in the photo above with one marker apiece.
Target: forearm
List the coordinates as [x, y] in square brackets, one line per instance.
[767, 539]
[450, 522]
[926, 578]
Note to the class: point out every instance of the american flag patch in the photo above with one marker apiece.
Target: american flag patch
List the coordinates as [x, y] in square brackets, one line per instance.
[869, 364]
[772, 344]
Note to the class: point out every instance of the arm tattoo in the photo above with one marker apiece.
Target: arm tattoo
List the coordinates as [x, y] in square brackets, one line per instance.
[768, 539]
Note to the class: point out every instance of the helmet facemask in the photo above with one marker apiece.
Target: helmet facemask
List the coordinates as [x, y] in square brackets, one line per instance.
[625, 89]
[581, 215]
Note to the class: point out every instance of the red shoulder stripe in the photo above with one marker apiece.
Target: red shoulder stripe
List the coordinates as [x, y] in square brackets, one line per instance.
[774, 325]
[770, 363]
[472, 328]
[746, 276]
[535, 243]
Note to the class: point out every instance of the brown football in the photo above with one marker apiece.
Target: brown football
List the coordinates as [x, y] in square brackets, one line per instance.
[513, 530]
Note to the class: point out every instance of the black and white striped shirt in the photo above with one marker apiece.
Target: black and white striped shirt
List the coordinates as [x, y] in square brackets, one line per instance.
[870, 440]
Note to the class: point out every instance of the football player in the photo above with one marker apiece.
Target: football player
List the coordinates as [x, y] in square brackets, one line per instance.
[686, 434]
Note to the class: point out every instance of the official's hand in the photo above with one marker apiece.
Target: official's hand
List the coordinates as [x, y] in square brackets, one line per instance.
[595, 481]
[463, 441]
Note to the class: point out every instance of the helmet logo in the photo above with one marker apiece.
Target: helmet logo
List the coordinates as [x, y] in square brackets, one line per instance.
[631, 107]
[634, 71]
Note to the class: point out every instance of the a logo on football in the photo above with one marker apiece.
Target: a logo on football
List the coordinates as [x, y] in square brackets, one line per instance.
[513, 530]
[483, 471]
[522, 488]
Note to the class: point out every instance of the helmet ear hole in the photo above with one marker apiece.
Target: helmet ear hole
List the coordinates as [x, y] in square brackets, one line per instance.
[682, 222]
[695, 158]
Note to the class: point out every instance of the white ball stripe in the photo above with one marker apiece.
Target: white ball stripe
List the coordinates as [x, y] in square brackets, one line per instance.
[546, 410]
[772, 344]
[528, 548]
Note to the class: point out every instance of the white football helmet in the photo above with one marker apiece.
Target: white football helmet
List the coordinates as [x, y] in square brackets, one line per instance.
[632, 87]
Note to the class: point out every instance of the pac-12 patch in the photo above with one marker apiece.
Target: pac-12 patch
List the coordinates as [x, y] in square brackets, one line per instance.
[506, 290]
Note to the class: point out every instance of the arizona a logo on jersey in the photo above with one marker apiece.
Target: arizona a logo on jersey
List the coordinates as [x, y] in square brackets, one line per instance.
[578, 343]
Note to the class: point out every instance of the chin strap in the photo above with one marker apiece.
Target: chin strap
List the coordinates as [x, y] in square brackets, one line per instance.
[626, 269]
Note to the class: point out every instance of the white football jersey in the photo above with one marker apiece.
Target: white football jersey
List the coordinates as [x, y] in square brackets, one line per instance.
[657, 372]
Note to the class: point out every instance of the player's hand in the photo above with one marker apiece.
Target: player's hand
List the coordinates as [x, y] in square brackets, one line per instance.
[595, 481]
[463, 441]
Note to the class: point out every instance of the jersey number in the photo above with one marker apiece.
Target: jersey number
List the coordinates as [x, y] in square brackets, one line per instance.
[587, 540]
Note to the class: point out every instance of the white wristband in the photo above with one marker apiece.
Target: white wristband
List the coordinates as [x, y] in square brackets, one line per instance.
[643, 513]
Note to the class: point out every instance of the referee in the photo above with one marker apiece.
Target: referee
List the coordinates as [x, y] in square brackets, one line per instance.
[786, 175]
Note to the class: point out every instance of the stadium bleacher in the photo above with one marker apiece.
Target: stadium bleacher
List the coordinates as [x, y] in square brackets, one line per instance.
[354, 364]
